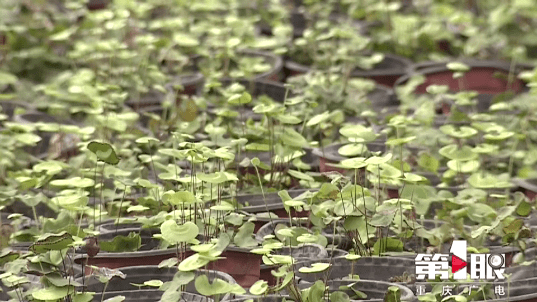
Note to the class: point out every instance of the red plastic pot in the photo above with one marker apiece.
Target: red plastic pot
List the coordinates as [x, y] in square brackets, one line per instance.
[528, 186]
[97, 4]
[242, 265]
[482, 78]
[265, 273]
[325, 165]
[192, 85]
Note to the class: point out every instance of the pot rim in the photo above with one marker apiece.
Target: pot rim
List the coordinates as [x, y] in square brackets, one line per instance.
[333, 155]
[292, 65]
[525, 184]
[150, 253]
[433, 67]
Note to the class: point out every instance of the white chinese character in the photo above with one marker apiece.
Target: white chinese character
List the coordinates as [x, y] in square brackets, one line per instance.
[482, 270]
[470, 288]
[499, 290]
[420, 289]
[446, 290]
[478, 269]
[496, 272]
[432, 265]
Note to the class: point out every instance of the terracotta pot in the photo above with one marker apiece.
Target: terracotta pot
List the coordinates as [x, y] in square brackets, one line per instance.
[192, 85]
[385, 73]
[481, 78]
[528, 186]
[97, 4]
[239, 263]
[49, 140]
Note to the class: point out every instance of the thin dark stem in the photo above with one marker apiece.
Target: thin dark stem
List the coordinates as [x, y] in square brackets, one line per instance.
[120, 207]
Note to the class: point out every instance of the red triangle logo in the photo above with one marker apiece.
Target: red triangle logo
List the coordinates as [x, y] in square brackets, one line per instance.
[457, 263]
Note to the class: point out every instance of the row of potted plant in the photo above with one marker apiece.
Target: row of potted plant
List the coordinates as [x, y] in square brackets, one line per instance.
[154, 158]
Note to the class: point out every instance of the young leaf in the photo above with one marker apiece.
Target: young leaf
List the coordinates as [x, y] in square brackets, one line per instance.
[104, 152]
[315, 268]
[120, 243]
[259, 288]
[53, 293]
[244, 238]
[48, 242]
[174, 233]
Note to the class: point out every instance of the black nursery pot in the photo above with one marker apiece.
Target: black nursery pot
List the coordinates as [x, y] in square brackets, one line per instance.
[386, 73]
[273, 74]
[192, 84]
[375, 290]
[150, 295]
[304, 252]
[140, 274]
[382, 97]
[8, 107]
[330, 155]
[342, 242]
[258, 87]
[256, 203]
[516, 291]
[148, 242]
[41, 149]
[368, 268]
[149, 99]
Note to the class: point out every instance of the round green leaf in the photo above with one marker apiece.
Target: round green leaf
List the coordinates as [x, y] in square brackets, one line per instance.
[259, 288]
[53, 293]
[315, 268]
[174, 233]
[104, 152]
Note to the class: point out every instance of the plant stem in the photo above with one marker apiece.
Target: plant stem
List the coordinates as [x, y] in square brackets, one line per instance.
[104, 290]
[101, 196]
[263, 193]
[120, 206]
[35, 217]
